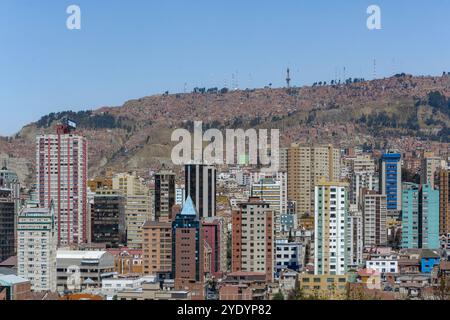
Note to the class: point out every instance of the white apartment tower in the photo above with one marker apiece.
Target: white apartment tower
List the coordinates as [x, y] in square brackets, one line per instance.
[331, 218]
[36, 255]
[61, 174]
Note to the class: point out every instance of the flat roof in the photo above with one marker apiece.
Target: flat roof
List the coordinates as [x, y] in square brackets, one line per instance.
[12, 279]
[84, 255]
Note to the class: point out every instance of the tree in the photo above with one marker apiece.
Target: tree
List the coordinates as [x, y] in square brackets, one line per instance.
[278, 296]
[297, 293]
[443, 290]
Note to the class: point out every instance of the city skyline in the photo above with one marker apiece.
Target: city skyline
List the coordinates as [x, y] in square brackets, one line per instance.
[263, 151]
[126, 52]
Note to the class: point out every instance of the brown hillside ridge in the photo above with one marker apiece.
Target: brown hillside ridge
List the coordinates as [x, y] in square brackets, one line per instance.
[345, 115]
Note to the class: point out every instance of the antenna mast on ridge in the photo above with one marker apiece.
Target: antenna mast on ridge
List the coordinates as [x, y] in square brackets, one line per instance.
[288, 79]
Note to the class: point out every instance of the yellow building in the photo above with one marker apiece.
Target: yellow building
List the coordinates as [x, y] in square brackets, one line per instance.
[331, 287]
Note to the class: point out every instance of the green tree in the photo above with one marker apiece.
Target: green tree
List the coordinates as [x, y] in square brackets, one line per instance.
[278, 296]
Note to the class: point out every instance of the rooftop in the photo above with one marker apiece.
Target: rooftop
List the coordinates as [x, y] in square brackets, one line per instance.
[189, 208]
[12, 279]
[429, 254]
[10, 262]
[83, 255]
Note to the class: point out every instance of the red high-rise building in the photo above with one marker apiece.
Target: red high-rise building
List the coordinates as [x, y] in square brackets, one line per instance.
[61, 177]
[214, 233]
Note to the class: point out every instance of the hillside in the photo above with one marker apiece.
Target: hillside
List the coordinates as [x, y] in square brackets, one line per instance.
[137, 134]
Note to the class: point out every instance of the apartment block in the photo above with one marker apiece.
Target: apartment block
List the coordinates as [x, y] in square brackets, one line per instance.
[61, 178]
[306, 166]
[7, 223]
[374, 209]
[330, 238]
[420, 217]
[157, 248]
[253, 238]
[444, 202]
[36, 254]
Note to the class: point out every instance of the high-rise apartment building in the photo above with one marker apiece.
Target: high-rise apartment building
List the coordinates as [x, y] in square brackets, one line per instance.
[10, 181]
[187, 245]
[108, 218]
[7, 177]
[61, 177]
[157, 249]
[355, 239]
[306, 165]
[330, 236]
[138, 205]
[253, 238]
[420, 217]
[37, 241]
[362, 175]
[391, 180]
[273, 192]
[283, 159]
[215, 234]
[444, 201]
[200, 184]
[164, 195]
[374, 209]
[137, 213]
[7, 222]
[429, 167]
[128, 182]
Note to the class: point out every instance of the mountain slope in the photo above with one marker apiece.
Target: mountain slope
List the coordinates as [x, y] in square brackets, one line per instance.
[137, 134]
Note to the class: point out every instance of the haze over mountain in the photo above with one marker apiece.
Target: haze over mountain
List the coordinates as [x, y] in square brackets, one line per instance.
[136, 136]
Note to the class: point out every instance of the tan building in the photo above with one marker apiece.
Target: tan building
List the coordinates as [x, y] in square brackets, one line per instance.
[306, 166]
[100, 183]
[138, 205]
[332, 287]
[444, 202]
[137, 213]
[157, 248]
[429, 166]
[253, 238]
[128, 182]
[127, 261]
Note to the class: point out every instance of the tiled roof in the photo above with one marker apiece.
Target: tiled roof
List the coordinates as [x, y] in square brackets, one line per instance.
[10, 262]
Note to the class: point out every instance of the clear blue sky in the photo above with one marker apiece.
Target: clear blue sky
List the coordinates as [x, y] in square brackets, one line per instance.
[130, 49]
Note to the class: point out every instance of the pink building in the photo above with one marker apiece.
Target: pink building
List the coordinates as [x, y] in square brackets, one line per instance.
[61, 177]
